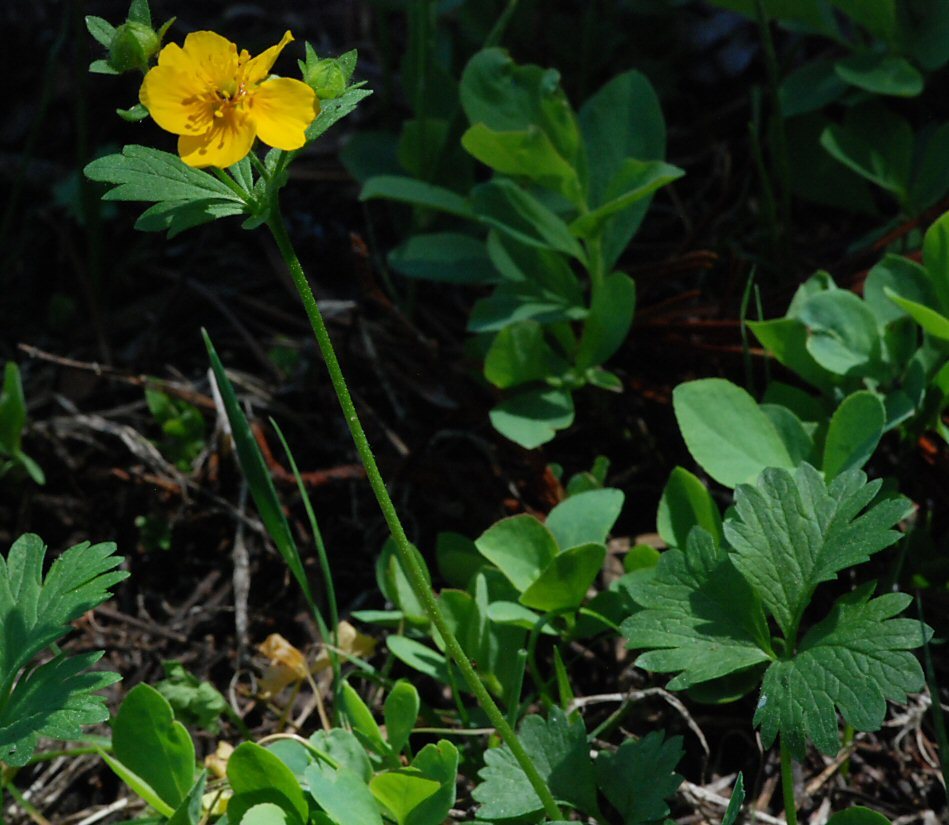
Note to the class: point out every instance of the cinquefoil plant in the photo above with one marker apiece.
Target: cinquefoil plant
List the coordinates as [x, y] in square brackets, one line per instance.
[706, 610]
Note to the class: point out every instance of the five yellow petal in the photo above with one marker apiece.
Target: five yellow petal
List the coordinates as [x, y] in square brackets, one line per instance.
[219, 101]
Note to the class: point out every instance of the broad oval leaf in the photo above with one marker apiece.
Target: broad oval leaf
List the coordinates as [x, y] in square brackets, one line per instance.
[726, 432]
[585, 517]
[853, 434]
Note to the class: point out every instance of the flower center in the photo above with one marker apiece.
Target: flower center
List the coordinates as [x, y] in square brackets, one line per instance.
[232, 96]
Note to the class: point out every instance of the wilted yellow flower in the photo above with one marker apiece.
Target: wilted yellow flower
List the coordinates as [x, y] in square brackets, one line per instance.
[218, 100]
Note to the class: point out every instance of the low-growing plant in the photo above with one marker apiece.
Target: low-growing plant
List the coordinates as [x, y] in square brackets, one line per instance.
[182, 425]
[706, 612]
[568, 192]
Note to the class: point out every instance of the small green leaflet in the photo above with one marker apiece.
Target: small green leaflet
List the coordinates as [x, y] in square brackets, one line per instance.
[55, 699]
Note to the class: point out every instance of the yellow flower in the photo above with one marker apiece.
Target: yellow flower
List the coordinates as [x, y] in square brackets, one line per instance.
[218, 101]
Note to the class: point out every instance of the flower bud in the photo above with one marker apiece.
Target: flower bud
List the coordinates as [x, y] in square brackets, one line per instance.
[326, 77]
[132, 46]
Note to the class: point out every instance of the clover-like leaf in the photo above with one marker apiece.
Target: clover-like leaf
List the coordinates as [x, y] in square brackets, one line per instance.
[56, 698]
[559, 750]
[700, 618]
[854, 660]
[794, 531]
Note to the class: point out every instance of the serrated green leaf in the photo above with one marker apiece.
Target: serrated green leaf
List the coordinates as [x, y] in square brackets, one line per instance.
[700, 618]
[854, 660]
[144, 174]
[794, 531]
[193, 701]
[334, 110]
[559, 750]
[55, 700]
[36, 612]
[640, 776]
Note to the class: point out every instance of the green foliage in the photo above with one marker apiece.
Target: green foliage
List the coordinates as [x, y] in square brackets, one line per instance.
[55, 698]
[704, 612]
[12, 424]
[195, 703]
[182, 425]
[567, 188]
[636, 780]
[151, 752]
[849, 348]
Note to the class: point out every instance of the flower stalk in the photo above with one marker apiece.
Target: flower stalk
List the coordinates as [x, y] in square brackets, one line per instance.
[410, 564]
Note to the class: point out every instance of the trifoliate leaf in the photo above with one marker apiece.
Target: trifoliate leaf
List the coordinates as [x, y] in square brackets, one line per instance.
[639, 777]
[701, 619]
[54, 699]
[794, 532]
[561, 754]
[854, 660]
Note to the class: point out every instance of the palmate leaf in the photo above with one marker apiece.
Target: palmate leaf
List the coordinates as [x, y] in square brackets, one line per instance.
[183, 196]
[794, 532]
[54, 699]
[561, 754]
[854, 660]
[703, 610]
[700, 617]
[640, 776]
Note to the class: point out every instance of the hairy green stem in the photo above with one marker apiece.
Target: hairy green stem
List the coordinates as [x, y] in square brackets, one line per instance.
[410, 564]
[787, 784]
